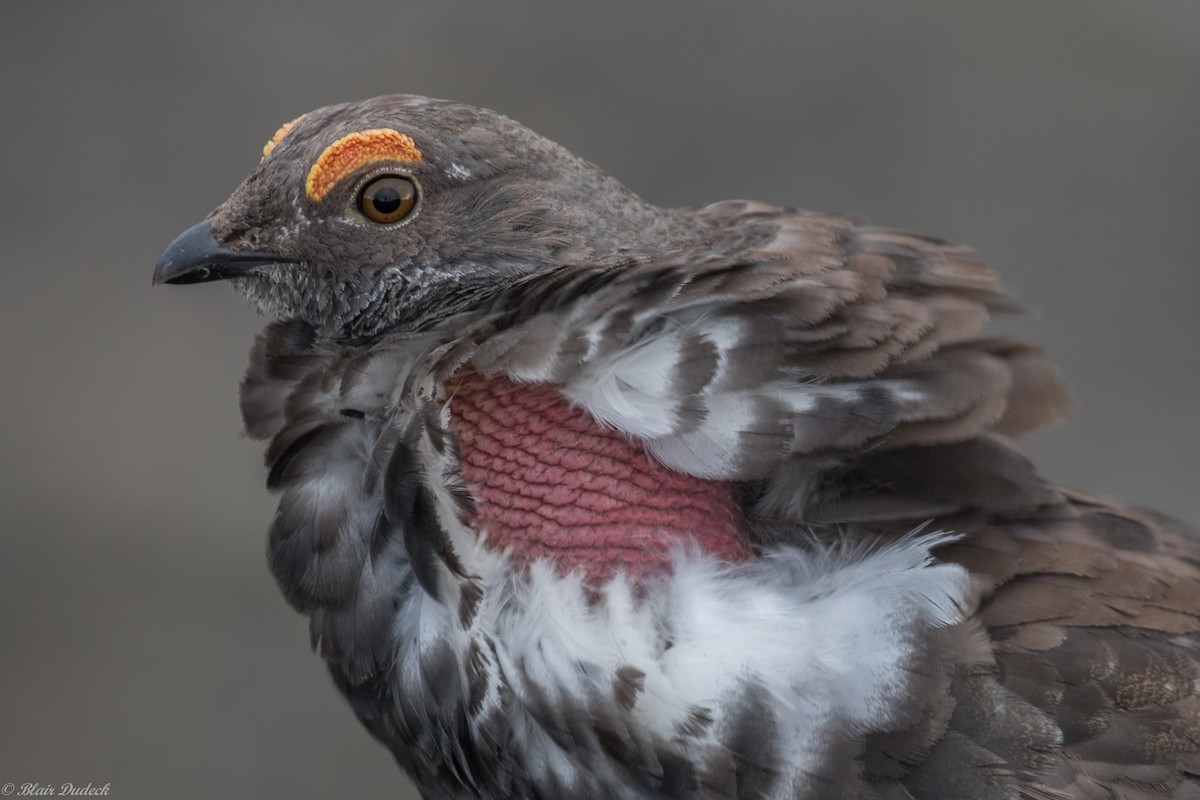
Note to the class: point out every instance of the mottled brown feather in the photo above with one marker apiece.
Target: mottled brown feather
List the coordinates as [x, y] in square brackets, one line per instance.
[1091, 685]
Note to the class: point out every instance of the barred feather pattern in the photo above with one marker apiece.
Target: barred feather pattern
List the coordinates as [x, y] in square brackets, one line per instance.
[831, 370]
[826, 339]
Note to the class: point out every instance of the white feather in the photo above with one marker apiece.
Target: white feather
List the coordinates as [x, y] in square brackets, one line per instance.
[827, 636]
[630, 390]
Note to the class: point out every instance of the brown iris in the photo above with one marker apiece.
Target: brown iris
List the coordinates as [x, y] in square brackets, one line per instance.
[388, 199]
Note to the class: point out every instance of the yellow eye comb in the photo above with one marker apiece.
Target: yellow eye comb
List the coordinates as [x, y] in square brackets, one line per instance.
[279, 134]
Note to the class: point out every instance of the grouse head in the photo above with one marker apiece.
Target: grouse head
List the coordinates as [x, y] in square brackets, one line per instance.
[391, 213]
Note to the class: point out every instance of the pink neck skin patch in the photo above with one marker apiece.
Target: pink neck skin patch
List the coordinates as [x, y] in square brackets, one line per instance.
[549, 482]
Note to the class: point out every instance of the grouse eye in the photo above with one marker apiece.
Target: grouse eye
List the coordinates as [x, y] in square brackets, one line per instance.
[388, 199]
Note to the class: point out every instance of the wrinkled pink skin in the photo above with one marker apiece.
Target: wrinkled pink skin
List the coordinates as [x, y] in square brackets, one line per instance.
[549, 482]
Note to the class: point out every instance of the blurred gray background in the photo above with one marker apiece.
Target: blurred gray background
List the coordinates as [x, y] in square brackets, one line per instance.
[142, 641]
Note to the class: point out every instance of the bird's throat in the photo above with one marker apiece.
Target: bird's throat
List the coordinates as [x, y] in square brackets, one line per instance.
[550, 482]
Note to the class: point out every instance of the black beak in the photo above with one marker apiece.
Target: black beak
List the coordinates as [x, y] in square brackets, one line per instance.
[195, 257]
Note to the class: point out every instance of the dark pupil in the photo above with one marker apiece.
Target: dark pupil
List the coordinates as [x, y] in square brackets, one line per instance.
[387, 200]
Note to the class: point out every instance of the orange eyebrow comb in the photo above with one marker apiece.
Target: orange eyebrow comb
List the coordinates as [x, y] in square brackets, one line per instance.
[352, 151]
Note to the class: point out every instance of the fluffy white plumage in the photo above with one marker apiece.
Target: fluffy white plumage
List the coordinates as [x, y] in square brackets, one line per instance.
[826, 636]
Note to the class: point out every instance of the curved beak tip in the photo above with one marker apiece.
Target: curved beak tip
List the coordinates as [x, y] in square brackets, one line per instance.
[188, 258]
[195, 257]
